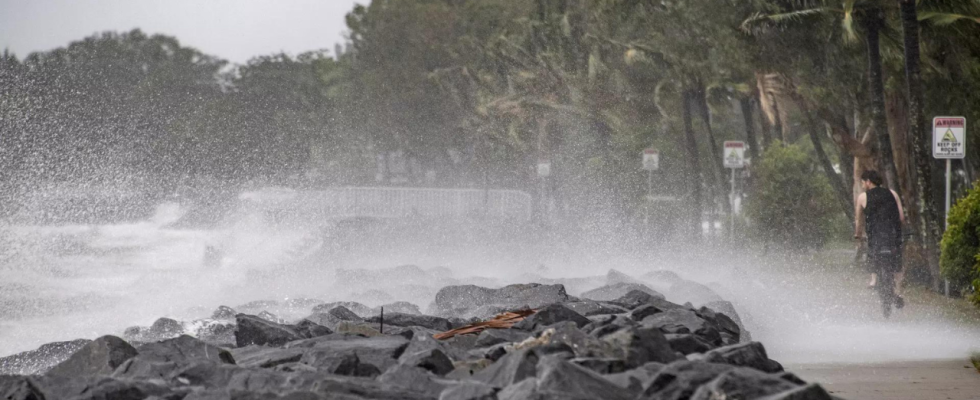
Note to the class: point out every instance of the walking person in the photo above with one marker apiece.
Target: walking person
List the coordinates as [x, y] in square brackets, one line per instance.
[879, 215]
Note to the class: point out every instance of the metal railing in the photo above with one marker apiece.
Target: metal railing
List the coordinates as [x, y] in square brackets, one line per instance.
[385, 202]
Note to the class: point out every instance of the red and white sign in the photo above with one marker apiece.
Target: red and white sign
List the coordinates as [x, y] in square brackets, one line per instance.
[651, 159]
[734, 154]
[949, 137]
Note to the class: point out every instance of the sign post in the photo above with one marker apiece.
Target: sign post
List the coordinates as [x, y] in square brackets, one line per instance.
[948, 143]
[651, 162]
[734, 158]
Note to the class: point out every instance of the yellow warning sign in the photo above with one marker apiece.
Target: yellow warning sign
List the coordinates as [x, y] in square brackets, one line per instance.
[949, 137]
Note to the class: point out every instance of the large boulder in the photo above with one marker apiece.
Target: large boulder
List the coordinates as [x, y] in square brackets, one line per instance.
[425, 321]
[684, 321]
[510, 369]
[589, 308]
[679, 380]
[617, 290]
[412, 379]
[550, 315]
[637, 298]
[638, 346]
[752, 355]
[100, 357]
[40, 360]
[256, 330]
[464, 301]
[382, 351]
[692, 292]
[742, 383]
[557, 376]
[358, 309]
[184, 349]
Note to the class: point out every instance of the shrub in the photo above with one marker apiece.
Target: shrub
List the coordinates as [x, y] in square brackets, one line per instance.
[960, 257]
[791, 204]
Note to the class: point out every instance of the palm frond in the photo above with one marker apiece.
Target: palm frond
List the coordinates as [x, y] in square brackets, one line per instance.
[792, 16]
[942, 19]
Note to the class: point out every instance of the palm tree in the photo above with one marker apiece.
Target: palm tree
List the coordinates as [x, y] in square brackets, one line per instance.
[869, 14]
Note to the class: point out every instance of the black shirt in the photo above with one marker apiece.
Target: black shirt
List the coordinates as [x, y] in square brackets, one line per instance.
[882, 220]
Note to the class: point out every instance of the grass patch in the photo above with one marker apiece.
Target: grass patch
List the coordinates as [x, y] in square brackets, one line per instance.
[975, 359]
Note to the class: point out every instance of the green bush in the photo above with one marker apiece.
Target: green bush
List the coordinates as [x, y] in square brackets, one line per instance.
[960, 257]
[791, 204]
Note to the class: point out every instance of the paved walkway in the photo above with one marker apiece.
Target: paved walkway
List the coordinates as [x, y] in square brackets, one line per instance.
[913, 380]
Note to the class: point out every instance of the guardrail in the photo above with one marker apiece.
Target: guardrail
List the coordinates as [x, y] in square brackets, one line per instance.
[385, 202]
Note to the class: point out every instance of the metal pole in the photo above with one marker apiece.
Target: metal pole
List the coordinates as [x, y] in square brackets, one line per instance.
[949, 173]
[646, 204]
[731, 224]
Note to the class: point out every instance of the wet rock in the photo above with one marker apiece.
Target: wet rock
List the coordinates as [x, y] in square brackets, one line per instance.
[668, 320]
[808, 392]
[432, 360]
[425, 321]
[165, 328]
[617, 290]
[687, 344]
[403, 307]
[590, 308]
[601, 365]
[268, 316]
[679, 380]
[407, 377]
[462, 301]
[359, 328]
[637, 298]
[556, 376]
[492, 337]
[742, 383]
[752, 355]
[687, 291]
[224, 313]
[40, 360]
[510, 369]
[635, 379]
[382, 351]
[255, 330]
[100, 357]
[217, 333]
[638, 346]
[550, 315]
[184, 349]
[254, 356]
[469, 390]
[19, 388]
[358, 309]
[526, 389]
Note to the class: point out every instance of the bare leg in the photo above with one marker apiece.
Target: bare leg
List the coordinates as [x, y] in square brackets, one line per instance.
[874, 279]
[899, 278]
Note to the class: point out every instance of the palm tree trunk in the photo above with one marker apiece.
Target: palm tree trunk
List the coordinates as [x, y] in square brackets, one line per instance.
[721, 183]
[746, 104]
[873, 24]
[928, 223]
[843, 194]
[693, 173]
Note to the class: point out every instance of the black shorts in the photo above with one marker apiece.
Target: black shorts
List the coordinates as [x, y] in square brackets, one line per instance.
[884, 259]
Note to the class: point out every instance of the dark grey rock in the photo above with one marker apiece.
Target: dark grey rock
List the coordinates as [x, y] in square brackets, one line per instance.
[403, 307]
[637, 298]
[358, 309]
[617, 290]
[469, 390]
[19, 388]
[463, 301]
[382, 351]
[217, 333]
[635, 379]
[165, 328]
[510, 369]
[686, 318]
[638, 346]
[550, 315]
[526, 389]
[558, 376]
[40, 360]
[425, 321]
[679, 380]
[411, 378]
[224, 313]
[255, 356]
[688, 344]
[601, 365]
[808, 392]
[590, 308]
[99, 357]
[433, 360]
[742, 383]
[492, 337]
[310, 329]
[184, 349]
[752, 355]
[254, 330]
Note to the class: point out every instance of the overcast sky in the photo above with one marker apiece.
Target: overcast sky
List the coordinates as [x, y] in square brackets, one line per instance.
[235, 30]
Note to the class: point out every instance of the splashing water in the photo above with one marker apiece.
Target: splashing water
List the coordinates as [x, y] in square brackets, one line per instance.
[82, 281]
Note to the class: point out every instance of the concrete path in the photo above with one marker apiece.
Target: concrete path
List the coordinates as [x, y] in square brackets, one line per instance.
[912, 380]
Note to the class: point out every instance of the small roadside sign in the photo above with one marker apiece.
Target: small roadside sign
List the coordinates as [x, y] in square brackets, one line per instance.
[544, 168]
[651, 159]
[949, 137]
[734, 154]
